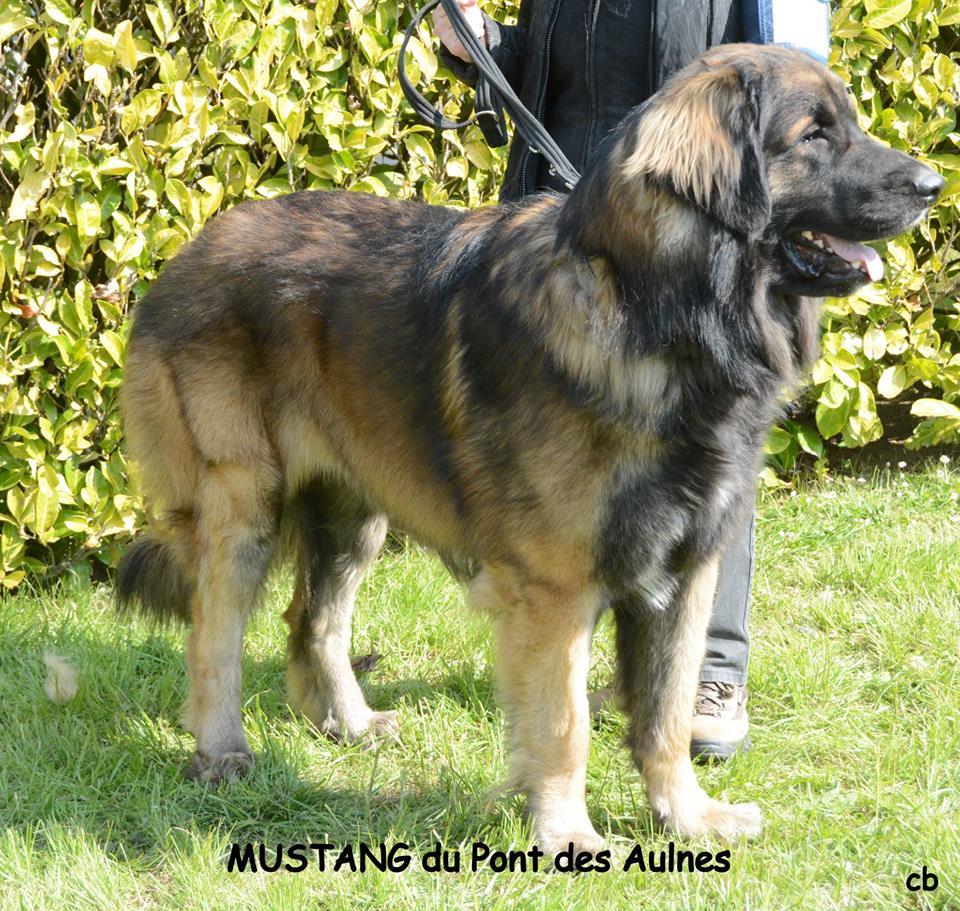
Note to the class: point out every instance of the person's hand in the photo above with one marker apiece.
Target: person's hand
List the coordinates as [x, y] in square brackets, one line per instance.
[446, 34]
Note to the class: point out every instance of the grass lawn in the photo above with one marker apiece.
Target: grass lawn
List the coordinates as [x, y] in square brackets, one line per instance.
[855, 704]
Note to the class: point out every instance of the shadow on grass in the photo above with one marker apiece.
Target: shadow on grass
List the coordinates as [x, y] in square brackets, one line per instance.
[111, 761]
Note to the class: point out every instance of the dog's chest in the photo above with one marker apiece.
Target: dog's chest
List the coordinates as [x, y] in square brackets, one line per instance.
[674, 511]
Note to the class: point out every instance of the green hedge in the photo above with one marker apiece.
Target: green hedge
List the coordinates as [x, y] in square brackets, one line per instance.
[125, 125]
[897, 340]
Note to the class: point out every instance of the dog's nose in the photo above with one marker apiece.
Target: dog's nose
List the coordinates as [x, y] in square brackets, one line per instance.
[929, 185]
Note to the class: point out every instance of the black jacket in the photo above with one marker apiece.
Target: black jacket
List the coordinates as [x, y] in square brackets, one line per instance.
[581, 82]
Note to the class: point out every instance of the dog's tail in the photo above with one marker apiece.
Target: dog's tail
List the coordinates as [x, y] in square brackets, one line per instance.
[151, 579]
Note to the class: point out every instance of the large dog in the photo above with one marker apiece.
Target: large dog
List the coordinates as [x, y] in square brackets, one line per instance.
[570, 393]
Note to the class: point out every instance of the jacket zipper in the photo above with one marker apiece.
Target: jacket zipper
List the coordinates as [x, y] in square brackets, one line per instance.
[594, 12]
[542, 95]
[652, 50]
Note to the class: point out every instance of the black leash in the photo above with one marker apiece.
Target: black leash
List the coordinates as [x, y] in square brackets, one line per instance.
[494, 94]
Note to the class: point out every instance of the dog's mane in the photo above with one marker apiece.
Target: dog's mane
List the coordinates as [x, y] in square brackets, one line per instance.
[609, 280]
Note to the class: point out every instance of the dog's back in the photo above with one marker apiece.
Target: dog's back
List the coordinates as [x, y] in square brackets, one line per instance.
[322, 337]
[278, 315]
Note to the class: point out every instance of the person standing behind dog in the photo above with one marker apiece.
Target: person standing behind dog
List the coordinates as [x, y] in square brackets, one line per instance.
[579, 66]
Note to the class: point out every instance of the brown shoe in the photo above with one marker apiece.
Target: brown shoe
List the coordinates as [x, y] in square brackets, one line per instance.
[719, 721]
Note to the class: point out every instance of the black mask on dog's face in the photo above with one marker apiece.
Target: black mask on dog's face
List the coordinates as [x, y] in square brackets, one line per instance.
[832, 187]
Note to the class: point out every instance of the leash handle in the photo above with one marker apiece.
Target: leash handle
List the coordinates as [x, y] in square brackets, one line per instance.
[498, 92]
[421, 106]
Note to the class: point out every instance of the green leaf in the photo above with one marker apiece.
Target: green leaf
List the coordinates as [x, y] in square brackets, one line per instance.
[874, 343]
[892, 381]
[809, 441]
[98, 48]
[933, 433]
[114, 344]
[88, 216]
[97, 74]
[176, 191]
[456, 168]
[124, 46]
[822, 371]
[934, 408]
[44, 261]
[426, 59]
[280, 139]
[479, 155]
[12, 545]
[26, 117]
[46, 504]
[943, 71]
[13, 21]
[141, 110]
[28, 194]
[19, 503]
[831, 420]
[866, 404]
[162, 20]
[777, 441]
[949, 15]
[116, 167]
[884, 13]
[418, 147]
[59, 11]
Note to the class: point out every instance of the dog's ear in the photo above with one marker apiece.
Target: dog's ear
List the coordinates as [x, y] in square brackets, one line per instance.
[700, 137]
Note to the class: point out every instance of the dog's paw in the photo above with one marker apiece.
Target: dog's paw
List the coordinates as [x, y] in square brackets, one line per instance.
[366, 730]
[382, 726]
[225, 767]
[728, 821]
[558, 830]
[553, 843]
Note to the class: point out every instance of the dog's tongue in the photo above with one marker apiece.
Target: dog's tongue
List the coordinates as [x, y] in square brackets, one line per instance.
[853, 253]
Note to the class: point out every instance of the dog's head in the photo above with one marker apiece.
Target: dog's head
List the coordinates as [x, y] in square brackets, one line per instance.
[765, 141]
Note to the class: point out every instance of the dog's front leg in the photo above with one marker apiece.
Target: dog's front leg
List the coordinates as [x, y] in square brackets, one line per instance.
[659, 655]
[543, 634]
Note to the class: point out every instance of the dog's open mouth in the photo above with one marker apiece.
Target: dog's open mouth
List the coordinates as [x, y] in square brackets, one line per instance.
[815, 255]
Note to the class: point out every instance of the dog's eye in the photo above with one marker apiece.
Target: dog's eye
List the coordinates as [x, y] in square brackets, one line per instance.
[812, 134]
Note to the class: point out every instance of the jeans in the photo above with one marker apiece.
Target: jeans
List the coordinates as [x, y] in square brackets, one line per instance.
[728, 642]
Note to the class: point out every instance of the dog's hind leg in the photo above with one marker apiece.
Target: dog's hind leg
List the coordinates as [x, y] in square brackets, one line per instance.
[659, 655]
[543, 635]
[236, 529]
[338, 538]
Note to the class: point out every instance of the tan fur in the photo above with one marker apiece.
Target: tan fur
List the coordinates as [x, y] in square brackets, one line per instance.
[454, 383]
[543, 633]
[230, 506]
[585, 337]
[672, 788]
[684, 138]
[150, 391]
[346, 431]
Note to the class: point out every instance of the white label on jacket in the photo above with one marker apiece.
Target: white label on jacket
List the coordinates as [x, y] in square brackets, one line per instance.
[804, 24]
